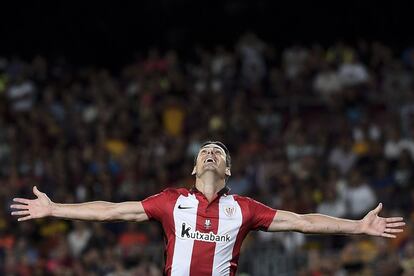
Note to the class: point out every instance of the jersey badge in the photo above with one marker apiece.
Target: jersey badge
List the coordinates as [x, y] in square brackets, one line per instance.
[207, 224]
[229, 210]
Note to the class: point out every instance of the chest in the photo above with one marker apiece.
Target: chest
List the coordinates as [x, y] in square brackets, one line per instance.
[220, 217]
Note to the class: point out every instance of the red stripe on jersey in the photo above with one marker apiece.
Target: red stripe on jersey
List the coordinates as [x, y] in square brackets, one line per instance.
[169, 239]
[243, 231]
[255, 216]
[160, 207]
[203, 251]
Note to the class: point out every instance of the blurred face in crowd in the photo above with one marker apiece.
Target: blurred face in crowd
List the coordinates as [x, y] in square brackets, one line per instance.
[212, 158]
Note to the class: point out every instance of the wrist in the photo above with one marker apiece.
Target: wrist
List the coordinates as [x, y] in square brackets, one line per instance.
[359, 229]
[53, 209]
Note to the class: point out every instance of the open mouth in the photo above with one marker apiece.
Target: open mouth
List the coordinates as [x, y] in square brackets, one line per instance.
[209, 160]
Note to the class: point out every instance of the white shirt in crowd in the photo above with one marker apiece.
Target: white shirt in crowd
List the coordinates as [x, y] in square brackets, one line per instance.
[21, 96]
[353, 74]
[360, 199]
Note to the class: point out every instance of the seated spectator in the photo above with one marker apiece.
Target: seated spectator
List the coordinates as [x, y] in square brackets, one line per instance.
[342, 157]
[332, 204]
[78, 238]
[359, 196]
[352, 72]
[327, 83]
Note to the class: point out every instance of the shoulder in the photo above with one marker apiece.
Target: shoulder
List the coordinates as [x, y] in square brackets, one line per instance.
[249, 203]
[244, 202]
[242, 199]
[166, 197]
[175, 192]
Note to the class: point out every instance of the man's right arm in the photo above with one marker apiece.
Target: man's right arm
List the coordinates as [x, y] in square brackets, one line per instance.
[96, 210]
[101, 211]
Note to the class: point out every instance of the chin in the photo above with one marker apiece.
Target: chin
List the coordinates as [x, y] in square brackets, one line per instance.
[210, 170]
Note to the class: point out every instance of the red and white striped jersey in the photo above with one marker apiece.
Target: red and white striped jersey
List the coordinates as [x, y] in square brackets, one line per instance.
[204, 238]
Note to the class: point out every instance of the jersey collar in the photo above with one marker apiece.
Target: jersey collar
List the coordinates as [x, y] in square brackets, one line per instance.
[223, 192]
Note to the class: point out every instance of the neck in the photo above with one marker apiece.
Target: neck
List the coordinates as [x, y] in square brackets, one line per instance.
[209, 185]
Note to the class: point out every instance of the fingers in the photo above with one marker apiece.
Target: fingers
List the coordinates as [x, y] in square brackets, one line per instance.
[24, 218]
[24, 210]
[394, 219]
[390, 228]
[385, 235]
[20, 213]
[21, 200]
[393, 230]
[19, 206]
[395, 224]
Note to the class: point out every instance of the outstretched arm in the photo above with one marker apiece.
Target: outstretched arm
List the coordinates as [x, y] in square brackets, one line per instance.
[42, 206]
[371, 224]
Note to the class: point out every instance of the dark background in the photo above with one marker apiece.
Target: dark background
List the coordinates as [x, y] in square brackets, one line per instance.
[109, 136]
[111, 33]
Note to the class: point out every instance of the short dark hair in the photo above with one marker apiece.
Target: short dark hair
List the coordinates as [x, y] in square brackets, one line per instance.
[221, 145]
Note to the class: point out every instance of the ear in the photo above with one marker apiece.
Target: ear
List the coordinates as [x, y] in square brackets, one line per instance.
[194, 171]
[228, 172]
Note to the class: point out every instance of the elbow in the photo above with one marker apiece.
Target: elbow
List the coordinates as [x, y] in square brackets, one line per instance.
[307, 229]
[305, 225]
[107, 214]
[103, 217]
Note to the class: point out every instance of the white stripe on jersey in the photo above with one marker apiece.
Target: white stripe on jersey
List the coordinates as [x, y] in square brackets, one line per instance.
[230, 221]
[183, 248]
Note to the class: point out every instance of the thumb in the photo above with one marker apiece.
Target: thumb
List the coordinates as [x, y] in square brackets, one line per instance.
[36, 191]
[378, 209]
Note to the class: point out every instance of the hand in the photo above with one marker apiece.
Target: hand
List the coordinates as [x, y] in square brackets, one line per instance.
[374, 225]
[32, 208]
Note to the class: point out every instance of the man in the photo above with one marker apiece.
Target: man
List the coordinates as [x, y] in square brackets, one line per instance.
[205, 226]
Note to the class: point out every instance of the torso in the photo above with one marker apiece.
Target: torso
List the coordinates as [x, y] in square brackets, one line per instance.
[202, 238]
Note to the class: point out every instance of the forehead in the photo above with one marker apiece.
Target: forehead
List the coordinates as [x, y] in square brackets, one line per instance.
[214, 146]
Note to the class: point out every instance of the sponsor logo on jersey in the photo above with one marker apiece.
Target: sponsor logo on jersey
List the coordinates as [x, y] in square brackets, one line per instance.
[186, 233]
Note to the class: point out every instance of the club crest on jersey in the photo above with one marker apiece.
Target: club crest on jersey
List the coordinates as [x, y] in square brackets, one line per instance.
[207, 224]
[229, 210]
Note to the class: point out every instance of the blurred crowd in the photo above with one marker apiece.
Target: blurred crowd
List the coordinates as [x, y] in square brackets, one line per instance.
[310, 128]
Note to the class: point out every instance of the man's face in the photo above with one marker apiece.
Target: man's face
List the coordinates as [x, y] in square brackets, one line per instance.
[211, 158]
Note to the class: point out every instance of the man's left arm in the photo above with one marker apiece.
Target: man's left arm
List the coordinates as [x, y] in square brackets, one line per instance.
[371, 224]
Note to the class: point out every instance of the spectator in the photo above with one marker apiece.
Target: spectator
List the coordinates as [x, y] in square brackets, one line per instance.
[342, 157]
[332, 204]
[327, 82]
[21, 95]
[359, 196]
[352, 72]
[86, 133]
[78, 238]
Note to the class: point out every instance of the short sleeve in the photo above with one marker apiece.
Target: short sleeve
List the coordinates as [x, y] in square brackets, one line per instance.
[155, 205]
[261, 215]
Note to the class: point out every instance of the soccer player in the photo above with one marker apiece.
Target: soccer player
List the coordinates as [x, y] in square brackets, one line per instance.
[205, 226]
